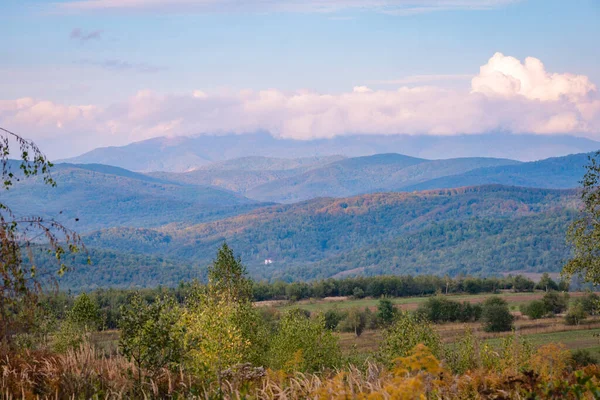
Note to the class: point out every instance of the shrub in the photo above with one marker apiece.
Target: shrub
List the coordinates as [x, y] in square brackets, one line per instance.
[555, 303]
[149, 334]
[535, 309]
[442, 309]
[583, 357]
[496, 316]
[407, 331]
[333, 317]
[303, 344]
[576, 314]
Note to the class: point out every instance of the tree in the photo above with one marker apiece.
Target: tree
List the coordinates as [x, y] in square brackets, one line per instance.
[385, 311]
[584, 233]
[85, 313]
[555, 303]
[355, 321]
[576, 314]
[546, 283]
[21, 282]
[222, 327]
[496, 316]
[591, 303]
[303, 344]
[149, 333]
[227, 277]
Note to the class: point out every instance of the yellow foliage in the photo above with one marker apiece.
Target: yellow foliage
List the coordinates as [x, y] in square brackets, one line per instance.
[550, 361]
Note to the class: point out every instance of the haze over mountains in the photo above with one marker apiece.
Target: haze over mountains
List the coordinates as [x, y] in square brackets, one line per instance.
[181, 154]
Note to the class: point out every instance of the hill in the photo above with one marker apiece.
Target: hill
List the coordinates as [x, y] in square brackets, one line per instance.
[359, 175]
[552, 173]
[182, 154]
[487, 229]
[101, 196]
[242, 174]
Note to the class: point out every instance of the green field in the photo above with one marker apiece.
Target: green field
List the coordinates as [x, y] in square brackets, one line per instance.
[514, 299]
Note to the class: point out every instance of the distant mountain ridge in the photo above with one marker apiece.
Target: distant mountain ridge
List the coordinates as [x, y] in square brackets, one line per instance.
[368, 174]
[182, 154]
[100, 196]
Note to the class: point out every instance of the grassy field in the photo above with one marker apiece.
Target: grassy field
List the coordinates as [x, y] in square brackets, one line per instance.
[515, 300]
[539, 332]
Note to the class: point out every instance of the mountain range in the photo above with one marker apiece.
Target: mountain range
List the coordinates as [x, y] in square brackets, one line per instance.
[180, 154]
[314, 217]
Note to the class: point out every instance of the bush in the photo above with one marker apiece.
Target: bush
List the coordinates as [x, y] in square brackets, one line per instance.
[303, 344]
[407, 331]
[149, 334]
[576, 314]
[555, 303]
[535, 309]
[441, 309]
[333, 317]
[496, 316]
[583, 357]
[355, 321]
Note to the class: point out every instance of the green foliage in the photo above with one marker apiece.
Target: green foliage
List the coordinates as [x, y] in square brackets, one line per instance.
[407, 331]
[583, 357]
[535, 309]
[227, 277]
[355, 321]
[576, 314]
[522, 284]
[442, 309]
[556, 303]
[149, 333]
[333, 317]
[20, 231]
[386, 312]
[584, 233]
[303, 344]
[546, 283]
[464, 355]
[482, 230]
[85, 313]
[213, 340]
[496, 316]
[591, 303]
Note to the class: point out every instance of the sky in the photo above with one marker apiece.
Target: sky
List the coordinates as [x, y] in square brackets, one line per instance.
[79, 74]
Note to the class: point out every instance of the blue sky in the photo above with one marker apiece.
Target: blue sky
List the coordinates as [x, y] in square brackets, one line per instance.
[103, 52]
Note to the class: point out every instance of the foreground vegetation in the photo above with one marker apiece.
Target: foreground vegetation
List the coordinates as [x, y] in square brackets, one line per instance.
[215, 342]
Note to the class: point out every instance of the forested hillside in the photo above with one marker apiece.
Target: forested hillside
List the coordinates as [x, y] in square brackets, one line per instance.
[283, 181]
[91, 197]
[553, 173]
[359, 175]
[485, 230]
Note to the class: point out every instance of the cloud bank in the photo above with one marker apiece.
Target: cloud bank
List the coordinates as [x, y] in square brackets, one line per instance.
[395, 7]
[507, 95]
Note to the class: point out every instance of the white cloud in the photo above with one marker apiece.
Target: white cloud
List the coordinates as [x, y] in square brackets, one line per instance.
[507, 95]
[507, 76]
[396, 7]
